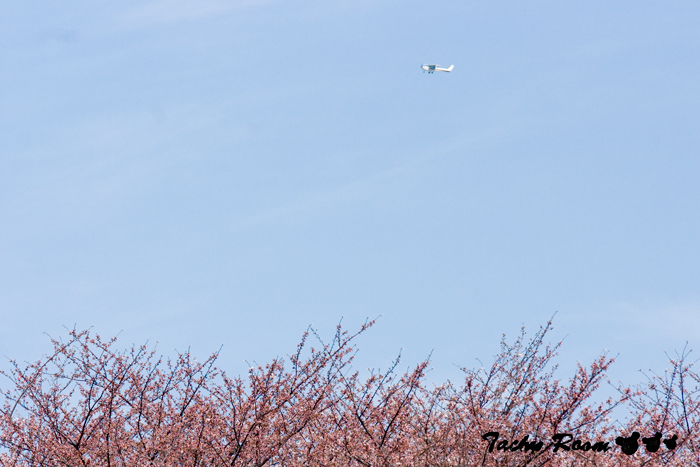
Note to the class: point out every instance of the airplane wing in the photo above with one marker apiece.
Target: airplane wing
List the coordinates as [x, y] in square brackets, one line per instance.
[433, 68]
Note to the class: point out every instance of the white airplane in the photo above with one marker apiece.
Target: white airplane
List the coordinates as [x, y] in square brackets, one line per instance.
[434, 68]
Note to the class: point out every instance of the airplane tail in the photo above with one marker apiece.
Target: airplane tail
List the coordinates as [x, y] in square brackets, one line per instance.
[450, 68]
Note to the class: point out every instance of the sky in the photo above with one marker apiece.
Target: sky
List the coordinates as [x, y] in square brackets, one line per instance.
[226, 173]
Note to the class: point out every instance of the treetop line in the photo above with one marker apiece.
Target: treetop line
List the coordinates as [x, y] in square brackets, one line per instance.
[564, 442]
[92, 403]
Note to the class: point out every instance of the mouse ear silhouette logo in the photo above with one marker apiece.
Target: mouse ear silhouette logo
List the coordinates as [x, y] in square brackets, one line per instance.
[629, 445]
[671, 443]
[654, 443]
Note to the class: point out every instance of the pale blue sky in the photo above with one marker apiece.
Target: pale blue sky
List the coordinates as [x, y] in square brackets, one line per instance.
[229, 172]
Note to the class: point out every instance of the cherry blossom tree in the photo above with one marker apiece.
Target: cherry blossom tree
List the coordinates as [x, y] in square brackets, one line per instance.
[669, 404]
[88, 403]
[515, 402]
